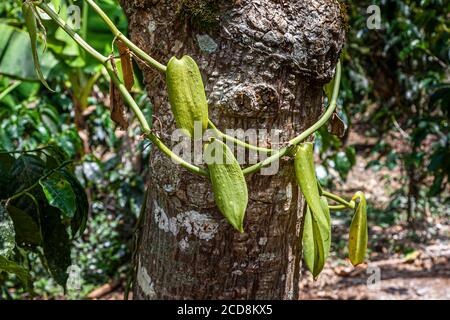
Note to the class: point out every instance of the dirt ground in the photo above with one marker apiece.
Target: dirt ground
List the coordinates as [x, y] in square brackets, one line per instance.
[424, 274]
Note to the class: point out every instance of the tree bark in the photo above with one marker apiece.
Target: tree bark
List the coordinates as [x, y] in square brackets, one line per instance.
[264, 65]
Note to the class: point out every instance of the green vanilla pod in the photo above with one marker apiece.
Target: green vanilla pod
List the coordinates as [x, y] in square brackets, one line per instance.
[317, 226]
[315, 248]
[228, 183]
[358, 237]
[186, 94]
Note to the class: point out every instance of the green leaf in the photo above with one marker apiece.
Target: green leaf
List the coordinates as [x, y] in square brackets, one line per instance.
[5, 38]
[350, 152]
[30, 89]
[25, 216]
[26, 170]
[316, 240]
[56, 244]
[342, 164]
[78, 224]
[16, 60]
[12, 267]
[30, 21]
[59, 194]
[6, 162]
[306, 178]
[70, 51]
[7, 234]
[54, 156]
[358, 236]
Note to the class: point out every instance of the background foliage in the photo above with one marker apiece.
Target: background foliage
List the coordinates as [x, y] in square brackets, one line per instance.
[109, 164]
[396, 95]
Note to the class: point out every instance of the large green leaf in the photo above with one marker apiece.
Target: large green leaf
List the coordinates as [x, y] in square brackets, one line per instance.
[69, 51]
[59, 194]
[24, 214]
[56, 244]
[9, 266]
[26, 170]
[6, 163]
[7, 234]
[30, 17]
[7, 32]
[16, 58]
[82, 206]
[54, 156]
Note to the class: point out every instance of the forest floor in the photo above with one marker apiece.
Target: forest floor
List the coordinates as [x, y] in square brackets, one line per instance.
[404, 261]
[425, 274]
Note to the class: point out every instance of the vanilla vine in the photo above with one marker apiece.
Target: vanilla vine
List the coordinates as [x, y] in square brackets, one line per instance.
[188, 104]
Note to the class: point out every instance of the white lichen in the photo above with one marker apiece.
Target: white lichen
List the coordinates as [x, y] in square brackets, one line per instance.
[201, 225]
[287, 205]
[162, 220]
[262, 241]
[193, 222]
[169, 188]
[183, 244]
[145, 282]
[237, 273]
[178, 45]
[151, 26]
[265, 257]
[206, 43]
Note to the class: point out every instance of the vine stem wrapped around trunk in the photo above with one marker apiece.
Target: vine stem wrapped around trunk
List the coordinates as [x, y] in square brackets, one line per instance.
[264, 64]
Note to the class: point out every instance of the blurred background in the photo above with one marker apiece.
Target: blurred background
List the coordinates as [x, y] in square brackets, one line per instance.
[395, 102]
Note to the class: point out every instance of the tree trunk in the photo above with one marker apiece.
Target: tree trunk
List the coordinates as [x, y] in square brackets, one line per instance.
[264, 63]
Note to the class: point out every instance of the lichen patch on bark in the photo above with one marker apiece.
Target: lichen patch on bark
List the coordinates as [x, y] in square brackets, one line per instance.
[201, 225]
[145, 282]
[192, 222]
[183, 244]
[288, 196]
[206, 43]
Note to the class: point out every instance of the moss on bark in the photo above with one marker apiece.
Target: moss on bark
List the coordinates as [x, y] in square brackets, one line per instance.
[201, 14]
